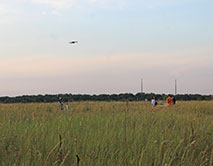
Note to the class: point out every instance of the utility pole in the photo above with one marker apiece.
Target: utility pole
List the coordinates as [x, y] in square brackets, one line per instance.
[141, 86]
[175, 87]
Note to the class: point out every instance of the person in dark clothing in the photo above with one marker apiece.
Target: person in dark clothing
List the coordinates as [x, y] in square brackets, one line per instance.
[61, 103]
[174, 100]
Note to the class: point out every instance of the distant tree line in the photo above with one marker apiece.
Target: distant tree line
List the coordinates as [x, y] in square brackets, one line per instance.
[101, 97]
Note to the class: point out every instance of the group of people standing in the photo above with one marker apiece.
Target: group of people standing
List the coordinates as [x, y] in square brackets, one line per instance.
[62, 104]
[170, 100]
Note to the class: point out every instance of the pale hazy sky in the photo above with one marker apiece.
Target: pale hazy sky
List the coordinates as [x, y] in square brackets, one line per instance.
[120, 42]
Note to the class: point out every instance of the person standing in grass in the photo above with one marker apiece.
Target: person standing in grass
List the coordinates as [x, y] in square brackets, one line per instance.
[174, 100]
[154, 102]
[61, 103]
[67, 106]
[169, 100]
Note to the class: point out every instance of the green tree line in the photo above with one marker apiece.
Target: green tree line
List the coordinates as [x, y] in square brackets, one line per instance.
[101, 97]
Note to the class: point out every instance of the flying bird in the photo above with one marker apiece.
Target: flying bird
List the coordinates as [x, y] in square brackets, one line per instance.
[73, 42]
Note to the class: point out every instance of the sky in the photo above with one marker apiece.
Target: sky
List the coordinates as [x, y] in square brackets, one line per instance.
[119, 43]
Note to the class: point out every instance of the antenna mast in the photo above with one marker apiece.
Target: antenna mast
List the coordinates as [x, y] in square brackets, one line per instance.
[175, 87]
[141, 85]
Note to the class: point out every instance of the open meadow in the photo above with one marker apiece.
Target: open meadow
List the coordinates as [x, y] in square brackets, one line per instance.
[106, 134]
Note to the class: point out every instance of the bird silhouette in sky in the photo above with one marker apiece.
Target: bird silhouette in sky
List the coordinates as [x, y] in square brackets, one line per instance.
[73, 42]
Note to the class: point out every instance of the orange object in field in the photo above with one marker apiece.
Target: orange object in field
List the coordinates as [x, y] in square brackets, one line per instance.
[169, 101]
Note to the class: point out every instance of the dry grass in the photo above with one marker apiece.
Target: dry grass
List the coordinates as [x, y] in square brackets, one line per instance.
[106, 133]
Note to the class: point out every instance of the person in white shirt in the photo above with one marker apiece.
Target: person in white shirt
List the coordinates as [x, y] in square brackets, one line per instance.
[67, 106]
[154, 102]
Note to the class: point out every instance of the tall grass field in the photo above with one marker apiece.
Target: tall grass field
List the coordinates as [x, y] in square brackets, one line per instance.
[106, 134]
